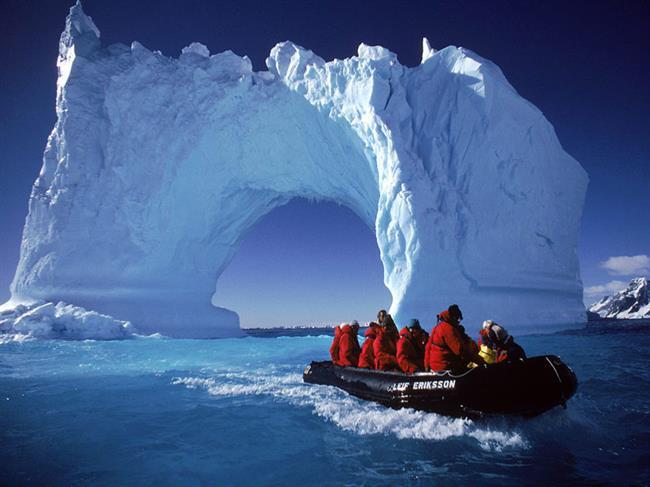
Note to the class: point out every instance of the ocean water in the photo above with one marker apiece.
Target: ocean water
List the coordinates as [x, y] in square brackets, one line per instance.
[156, 411]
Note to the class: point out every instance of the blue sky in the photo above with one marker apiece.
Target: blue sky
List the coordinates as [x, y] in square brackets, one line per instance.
[584, 64]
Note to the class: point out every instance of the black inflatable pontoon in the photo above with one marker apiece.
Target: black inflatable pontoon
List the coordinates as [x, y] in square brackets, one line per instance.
[525, 388]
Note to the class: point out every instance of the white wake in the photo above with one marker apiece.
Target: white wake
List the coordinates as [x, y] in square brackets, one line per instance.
[351, 414]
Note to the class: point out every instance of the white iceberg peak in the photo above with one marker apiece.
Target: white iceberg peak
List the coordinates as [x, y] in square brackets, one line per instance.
[196, 48]
[375, 53]
[78, 23]
[427, 50]
[289, 60]
[80, 31]
[80, 38]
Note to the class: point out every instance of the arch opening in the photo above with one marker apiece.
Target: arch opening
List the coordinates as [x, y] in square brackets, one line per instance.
[306, 263]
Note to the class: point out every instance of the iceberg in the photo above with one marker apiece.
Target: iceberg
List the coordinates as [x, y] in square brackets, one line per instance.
[61, 320]
[157, 167]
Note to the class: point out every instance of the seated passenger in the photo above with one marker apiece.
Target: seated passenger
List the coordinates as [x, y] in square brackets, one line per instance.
[449, 348]
[385, 345]
[384, 319]
[367, 357]
[421, 338]
[509, 351]
[506, 348]
[408, 353]
[381, 316]
[349, 349]
[391, 327]
[334, 348]
[503, 346]
[486, 345]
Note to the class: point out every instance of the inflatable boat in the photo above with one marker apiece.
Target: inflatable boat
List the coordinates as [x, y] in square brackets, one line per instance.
[523, 388]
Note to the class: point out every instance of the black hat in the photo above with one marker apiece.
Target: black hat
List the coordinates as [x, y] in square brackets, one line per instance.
[455, 312]
[414, 324]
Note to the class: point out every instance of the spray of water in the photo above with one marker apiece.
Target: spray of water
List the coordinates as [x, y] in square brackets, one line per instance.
[349, 413]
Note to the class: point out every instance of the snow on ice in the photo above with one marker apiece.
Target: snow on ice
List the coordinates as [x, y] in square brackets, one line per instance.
[156, 167]
[49, 320]
[633, 302]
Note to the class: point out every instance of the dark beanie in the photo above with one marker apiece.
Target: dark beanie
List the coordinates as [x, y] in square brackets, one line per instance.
[455, 312]
[414, 323]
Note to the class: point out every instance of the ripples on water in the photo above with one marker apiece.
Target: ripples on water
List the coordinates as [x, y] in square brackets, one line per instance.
[236, 412]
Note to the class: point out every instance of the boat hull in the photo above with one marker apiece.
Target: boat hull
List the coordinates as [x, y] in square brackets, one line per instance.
[523, 388]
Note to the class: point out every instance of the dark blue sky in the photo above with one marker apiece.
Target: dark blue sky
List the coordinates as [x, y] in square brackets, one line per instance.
[584, 64]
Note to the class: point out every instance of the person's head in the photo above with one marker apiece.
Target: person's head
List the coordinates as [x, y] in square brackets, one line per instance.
[487, 336]
[414, 325]
[498, 334]
[354, 324]
[487, 324]
[388, 322]
[381, 316]
[455, 314]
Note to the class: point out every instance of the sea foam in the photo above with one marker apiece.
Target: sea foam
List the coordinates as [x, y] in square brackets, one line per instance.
[352, 414]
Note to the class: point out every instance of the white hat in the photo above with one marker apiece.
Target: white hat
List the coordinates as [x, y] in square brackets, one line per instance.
[500, 332]
[488, 324]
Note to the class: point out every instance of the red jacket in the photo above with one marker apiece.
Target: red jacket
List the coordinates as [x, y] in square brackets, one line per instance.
[510, 351]
[334, 348]
[449, 348]
[408, 356]
[384, 348]
[349, 349]
[421, 338]
[367, 357]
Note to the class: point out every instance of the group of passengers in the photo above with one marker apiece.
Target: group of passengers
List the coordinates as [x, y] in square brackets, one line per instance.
[413, 350]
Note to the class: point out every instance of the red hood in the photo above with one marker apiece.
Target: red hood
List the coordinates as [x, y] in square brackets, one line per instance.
[444, 316]
[371, 332]
[405, 332]
[348, 329]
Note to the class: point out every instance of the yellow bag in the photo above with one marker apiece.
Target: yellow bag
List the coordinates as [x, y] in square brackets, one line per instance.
[487, 354]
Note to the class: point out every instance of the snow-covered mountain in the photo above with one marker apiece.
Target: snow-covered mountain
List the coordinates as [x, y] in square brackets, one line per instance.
[633, 302]
[157, 167]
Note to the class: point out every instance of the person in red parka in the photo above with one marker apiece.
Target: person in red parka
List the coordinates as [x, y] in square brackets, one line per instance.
[349, 349]
[449, 348]
[506, 348]
[367, 357]
[409, 357]
[334, 348]
[386, 320]
[496, 345]
[421, 338]
[381, 316]
[385, 345]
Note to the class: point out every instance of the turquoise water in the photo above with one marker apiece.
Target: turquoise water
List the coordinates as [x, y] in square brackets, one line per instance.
[155, 411]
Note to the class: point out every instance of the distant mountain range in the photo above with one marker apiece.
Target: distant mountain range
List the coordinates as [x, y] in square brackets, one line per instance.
[631, 303]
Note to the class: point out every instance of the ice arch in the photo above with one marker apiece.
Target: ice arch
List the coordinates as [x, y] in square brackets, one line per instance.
[156, 167]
